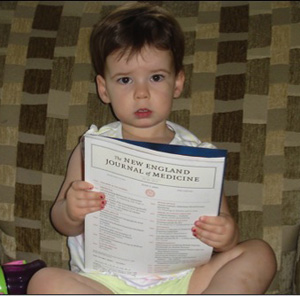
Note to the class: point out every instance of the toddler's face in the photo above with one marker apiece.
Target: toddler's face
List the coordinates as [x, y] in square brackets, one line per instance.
[141, 89]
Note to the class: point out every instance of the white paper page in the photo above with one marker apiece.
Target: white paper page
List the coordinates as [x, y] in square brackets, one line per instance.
[153, 201]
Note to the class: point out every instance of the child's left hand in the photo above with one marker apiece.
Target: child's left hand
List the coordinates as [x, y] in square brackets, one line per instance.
[219, 232]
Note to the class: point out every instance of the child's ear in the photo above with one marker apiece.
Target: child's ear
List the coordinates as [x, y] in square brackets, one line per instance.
[101, 87]
[179, 84]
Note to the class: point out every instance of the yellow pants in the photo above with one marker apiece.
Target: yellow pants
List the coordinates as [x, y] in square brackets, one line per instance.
[117, 286]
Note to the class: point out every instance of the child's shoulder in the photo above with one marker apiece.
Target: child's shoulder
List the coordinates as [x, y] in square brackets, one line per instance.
[186, 138]
[112, 130]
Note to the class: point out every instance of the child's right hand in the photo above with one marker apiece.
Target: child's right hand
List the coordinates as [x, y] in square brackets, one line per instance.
[80, 200]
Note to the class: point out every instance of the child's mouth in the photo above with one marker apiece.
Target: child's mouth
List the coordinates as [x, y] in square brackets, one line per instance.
[143, 113]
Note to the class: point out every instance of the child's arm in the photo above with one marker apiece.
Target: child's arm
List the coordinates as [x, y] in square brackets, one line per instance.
[219, 232]
[75, 199]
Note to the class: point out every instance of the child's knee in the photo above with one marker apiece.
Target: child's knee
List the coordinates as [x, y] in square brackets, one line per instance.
[258, 245]
[39, 280]
[262, 251]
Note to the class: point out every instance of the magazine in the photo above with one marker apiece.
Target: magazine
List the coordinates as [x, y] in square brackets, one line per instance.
[154, 193]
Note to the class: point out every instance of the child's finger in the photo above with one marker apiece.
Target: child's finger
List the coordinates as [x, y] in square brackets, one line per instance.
[91, 199]
[206, 237]
[212, 220]
[209, 242]
[97, 207]
[96, 203]
[216, 229]
[82, 185]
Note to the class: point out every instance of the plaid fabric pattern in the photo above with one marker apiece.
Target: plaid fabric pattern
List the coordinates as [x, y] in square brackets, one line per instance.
[242, 93]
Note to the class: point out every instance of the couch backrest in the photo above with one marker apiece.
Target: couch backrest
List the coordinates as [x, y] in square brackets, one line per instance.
[242, 93]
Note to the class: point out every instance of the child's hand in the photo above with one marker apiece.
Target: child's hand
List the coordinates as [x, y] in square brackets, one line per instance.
[218, 232]
[80, 200]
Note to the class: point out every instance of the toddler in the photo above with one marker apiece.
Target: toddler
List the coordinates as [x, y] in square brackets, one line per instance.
[137, 52]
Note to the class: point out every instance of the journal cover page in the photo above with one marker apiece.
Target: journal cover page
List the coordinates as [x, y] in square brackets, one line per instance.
[154, 193]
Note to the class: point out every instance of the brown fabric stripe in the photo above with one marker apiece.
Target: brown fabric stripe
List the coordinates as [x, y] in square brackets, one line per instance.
[295, 66]
[4, 34]
[47, 230]
[47, 17]
[251, 224]
[2, 63]
[68, 31]
[230, 87]
[189, 42]
[188, 71]
[62, 73]
[227, 127]
[97, 112]
[232, 166]
[292, 162]
[40, 47]
[234, 19]
[290, 201]
[33, 119]
[182, 8]
[260, 30]
[28, 197]
[54, 152]
[232, 52]
[295, 12]
[293, 114]
[28, 240]
[252, 153]
[37, 81]
[30, 156]
[181, 116]
[258, 76]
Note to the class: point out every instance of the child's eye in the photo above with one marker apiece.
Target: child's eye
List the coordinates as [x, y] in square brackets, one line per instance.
[124, 80]
[157, 77]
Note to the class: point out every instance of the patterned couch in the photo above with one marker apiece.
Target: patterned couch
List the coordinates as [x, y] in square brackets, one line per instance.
[242, 93]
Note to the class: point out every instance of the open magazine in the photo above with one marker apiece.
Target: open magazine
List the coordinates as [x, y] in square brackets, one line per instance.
[154, 193]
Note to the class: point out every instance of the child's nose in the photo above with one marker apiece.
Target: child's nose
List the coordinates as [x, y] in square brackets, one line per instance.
[142, 91]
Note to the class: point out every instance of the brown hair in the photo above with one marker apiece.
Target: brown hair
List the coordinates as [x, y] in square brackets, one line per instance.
[131, 27]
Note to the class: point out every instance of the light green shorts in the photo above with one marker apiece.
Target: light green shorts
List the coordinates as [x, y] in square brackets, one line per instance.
[117, 286]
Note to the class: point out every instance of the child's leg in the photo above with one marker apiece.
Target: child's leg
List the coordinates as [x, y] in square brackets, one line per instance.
[248, 268]
[59, 281]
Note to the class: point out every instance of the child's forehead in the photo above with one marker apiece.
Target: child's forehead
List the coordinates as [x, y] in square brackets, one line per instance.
[146, 53]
